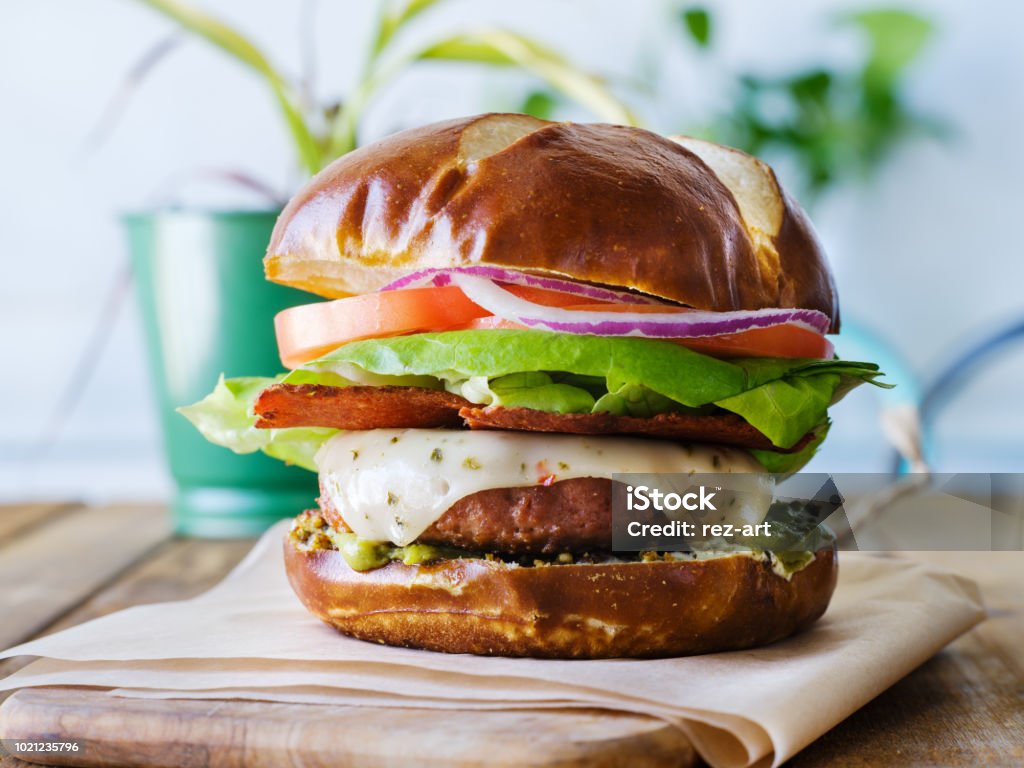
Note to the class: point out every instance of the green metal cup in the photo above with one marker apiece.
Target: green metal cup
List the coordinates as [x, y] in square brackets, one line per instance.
[207, 310]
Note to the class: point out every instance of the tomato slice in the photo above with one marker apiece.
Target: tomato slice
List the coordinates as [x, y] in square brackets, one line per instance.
[776, 341]
[308, 331]
[311, 330]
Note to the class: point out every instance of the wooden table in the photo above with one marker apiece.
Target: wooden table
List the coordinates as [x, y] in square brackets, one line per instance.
[64, 563]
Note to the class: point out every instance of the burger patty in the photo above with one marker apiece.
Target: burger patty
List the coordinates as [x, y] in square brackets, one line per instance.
[359, 407]
[567, 516]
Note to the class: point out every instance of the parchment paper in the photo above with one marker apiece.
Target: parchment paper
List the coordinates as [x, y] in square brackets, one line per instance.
[249, 637]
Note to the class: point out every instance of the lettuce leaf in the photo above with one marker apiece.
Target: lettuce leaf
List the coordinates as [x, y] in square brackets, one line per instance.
[225, 417]
[531, 389]
[785, 409]
[634, 400]
[784, 399]
[788, 463]
[684, 376]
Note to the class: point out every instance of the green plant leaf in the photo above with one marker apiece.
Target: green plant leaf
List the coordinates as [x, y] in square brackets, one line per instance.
[813, 87]
[834, 123]
[540, 104]
[395, 17]
[697, 22]
[343, 123]
[896, 38]
[245, 52]
[499, 47]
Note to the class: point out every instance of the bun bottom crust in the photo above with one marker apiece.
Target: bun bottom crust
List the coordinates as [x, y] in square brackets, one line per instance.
[615, 610]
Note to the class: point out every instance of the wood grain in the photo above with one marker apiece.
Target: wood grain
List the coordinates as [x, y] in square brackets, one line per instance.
[175, 570]
[196, 734]
[48, 569]
[18, 518]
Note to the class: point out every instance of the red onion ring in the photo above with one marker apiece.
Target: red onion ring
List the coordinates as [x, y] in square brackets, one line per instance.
[426, 277]
[656, 325]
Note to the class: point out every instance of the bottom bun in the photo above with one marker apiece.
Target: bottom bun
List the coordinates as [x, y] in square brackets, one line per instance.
[614, 610]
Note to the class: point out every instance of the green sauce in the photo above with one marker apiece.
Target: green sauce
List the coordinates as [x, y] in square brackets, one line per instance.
[363, 555]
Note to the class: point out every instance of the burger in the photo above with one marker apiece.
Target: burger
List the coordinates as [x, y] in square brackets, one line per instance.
[515, 310]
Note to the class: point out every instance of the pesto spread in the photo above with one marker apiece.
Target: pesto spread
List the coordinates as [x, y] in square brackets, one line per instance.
[311, 532]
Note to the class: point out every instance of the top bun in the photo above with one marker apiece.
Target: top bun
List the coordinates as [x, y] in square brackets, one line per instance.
[682, 219]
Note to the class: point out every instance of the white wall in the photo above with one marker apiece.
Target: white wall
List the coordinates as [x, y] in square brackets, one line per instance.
[929, 254]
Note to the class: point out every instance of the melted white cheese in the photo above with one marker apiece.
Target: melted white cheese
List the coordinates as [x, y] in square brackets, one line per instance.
[393, 484]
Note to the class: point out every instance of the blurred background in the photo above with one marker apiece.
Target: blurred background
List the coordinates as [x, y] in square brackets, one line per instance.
[898, 126]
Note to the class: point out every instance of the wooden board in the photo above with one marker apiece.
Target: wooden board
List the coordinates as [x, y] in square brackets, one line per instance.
[174, 569]
[196, 734]
[19, 518]
[50, 567]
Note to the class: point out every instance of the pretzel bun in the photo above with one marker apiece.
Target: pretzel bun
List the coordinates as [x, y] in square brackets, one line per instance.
[635, 610]
[681, 219]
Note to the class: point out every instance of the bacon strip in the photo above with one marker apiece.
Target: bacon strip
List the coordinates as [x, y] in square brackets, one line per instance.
[722, 429]
[314, 405]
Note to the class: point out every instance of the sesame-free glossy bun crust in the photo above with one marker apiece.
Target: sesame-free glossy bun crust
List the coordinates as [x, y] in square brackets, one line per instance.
[621, 610]
[682, 219]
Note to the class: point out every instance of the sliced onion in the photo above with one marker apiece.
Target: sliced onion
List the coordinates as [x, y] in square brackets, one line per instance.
[655, 325]
[437, 277]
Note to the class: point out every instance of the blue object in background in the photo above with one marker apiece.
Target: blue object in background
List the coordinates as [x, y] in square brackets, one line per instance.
[958, 372]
